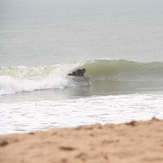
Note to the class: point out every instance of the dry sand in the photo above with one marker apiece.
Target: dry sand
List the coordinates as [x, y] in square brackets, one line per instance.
[134, 142]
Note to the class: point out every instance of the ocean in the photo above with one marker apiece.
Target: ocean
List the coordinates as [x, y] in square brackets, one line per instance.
[118, 42]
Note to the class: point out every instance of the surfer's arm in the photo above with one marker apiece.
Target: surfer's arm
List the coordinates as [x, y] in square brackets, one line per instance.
[77, 73]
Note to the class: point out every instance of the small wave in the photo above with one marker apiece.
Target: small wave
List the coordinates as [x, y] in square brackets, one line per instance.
[22, 78]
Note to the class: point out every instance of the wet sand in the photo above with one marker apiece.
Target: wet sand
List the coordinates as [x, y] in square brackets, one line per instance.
[134, 142]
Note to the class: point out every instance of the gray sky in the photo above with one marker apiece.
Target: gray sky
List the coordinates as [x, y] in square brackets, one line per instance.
[47, 2]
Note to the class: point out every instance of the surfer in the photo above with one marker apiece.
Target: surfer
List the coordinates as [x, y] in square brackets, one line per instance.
[79, 72]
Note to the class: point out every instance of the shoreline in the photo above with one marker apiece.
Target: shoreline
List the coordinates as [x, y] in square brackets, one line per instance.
[136, 141]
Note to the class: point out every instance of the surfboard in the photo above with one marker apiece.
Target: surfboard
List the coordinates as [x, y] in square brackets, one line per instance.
[80, 79]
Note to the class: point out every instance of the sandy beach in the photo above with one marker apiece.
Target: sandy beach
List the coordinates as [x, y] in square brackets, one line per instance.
[130, 142]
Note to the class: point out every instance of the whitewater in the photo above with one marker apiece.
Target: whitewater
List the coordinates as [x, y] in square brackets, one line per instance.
[118, 42]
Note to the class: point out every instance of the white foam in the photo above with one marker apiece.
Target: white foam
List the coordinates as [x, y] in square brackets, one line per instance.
[42, 115]
[22, 78]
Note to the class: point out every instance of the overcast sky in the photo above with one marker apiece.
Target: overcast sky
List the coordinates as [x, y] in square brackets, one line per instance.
[49, 2]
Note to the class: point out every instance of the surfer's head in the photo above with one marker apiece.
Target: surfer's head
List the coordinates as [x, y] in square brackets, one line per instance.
[84, 70]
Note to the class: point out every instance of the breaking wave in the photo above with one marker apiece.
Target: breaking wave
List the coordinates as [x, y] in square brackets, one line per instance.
[22, 78]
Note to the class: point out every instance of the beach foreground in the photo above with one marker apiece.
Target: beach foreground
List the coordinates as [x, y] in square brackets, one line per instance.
[130, 142]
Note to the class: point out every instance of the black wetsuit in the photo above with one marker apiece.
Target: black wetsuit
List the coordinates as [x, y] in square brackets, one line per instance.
[79, 72]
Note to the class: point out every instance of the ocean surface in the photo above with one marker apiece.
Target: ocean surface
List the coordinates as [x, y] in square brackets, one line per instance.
[118, 42]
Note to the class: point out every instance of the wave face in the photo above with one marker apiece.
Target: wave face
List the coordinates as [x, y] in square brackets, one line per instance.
[123, 70]
[21, 78]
